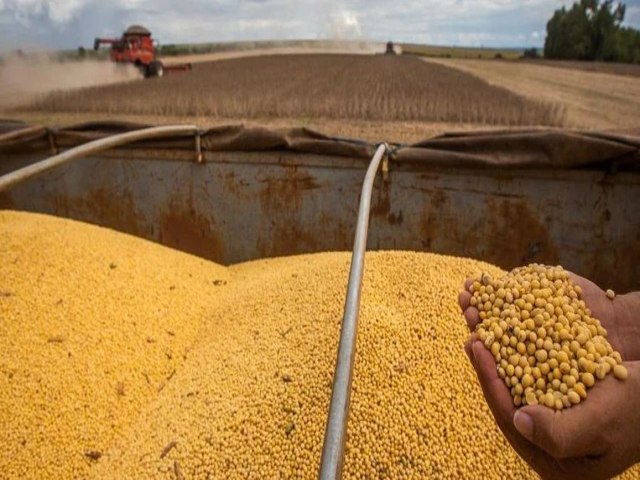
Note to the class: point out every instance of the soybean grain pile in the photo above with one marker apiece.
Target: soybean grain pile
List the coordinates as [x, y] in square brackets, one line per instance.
[252, 400]
[374, 87]
[93, 324]
[250, 396]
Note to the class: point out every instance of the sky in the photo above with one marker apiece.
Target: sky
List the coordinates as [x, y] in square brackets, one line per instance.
[60, 24]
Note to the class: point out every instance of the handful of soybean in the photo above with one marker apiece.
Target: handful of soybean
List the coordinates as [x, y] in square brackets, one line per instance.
[548, 347]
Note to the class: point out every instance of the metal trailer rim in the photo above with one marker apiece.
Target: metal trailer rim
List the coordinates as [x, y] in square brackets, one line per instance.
[13, 178]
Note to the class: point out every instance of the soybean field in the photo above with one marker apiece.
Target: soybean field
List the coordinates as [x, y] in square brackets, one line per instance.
[304, 86]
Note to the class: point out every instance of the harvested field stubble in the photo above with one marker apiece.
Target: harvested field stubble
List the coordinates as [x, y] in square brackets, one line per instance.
[592, 100]
[361, 87]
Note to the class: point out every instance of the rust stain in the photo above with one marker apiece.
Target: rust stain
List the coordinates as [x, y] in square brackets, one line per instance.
[514, 236]
[396, 218]
[6, 202]
[434, 222]
[119, 212]
[281, 198]
[504, 232]
[236, 186]
[60, 205]
[101, 207]
[289, 239]
[381, 206]
[618, 273]
[285, 192]
[344, 236]
[381, 203]
[340, 235]
[183, 228]
[180, 227]
[287, 236]
[610, 267]
[427, 176]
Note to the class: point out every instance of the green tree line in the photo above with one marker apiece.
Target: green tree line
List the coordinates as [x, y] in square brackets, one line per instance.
[592, 30]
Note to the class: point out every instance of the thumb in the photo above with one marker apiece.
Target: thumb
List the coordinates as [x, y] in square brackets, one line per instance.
[574, 432]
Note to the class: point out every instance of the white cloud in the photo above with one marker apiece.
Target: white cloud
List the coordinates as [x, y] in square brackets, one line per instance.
[58, 11]
[69, 23]
[132, 4]
[62, 11]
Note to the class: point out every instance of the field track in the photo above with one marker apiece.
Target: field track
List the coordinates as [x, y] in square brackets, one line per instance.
[369, 88]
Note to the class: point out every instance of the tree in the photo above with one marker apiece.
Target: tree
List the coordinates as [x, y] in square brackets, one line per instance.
[628, 45]
[591, 30]
[605, 24]
[556, 43]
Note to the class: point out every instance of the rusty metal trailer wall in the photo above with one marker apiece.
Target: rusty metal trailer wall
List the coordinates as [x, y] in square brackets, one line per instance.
[238, 206]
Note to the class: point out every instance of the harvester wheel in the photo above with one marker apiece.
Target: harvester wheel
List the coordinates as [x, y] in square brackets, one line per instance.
[155, 69]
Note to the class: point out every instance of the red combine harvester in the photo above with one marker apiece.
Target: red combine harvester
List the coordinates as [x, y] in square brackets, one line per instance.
[137, 47]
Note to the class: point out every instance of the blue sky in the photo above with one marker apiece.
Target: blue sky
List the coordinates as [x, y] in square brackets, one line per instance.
[57, 24]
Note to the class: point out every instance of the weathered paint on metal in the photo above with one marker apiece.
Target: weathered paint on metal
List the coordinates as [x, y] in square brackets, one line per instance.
[239, 206]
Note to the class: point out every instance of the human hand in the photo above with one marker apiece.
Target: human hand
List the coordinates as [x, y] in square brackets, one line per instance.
[596, 439]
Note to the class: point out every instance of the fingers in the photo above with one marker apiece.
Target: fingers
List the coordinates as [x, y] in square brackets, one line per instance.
[586, 429]
[467, 284]
[463, 300]
[601, 308]
[495, 391]
[470, 313]
[472, 318]
[468, 349]
[582, 430]
[493, 387]
[465, 295]
[565, 434]
[501, 405]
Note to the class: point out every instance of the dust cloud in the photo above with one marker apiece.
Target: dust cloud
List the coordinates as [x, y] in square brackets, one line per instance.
[343, 28]
[23, 78]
